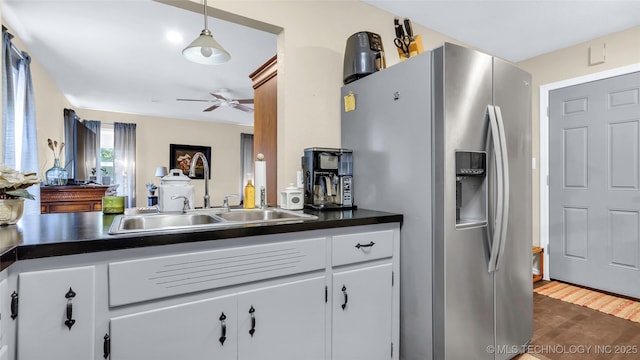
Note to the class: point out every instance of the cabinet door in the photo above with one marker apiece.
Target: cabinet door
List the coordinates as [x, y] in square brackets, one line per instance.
[362, 314]
[192, 331]
[288, 322]
[56, 317]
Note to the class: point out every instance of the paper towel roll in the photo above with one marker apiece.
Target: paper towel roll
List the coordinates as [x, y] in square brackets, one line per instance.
[260, 177]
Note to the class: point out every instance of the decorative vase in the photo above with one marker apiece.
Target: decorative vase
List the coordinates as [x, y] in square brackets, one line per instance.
[57, 175]
[11, 210]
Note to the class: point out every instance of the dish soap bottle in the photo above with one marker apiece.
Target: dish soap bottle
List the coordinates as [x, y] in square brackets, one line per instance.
[249, 194]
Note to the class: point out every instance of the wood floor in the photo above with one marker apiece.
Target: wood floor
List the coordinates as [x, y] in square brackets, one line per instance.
[564, 331]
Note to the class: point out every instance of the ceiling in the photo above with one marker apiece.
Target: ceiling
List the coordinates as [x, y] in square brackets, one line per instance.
[516, 30]
[113, 55]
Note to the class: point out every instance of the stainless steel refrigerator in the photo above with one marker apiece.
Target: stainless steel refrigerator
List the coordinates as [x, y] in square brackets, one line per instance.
[445, 139]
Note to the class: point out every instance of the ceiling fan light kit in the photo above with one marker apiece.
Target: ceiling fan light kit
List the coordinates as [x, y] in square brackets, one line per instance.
[205, 49]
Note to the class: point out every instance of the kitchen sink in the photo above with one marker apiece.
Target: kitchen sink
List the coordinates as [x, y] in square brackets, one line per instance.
[252, 215]
[162, 221]
[205, 219]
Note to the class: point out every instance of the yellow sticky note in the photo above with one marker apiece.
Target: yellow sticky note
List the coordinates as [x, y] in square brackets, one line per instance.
[349, 102]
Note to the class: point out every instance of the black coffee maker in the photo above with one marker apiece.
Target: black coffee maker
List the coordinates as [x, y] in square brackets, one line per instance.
[328, 178]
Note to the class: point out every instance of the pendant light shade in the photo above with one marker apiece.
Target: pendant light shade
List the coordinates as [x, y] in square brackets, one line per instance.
[205, 49]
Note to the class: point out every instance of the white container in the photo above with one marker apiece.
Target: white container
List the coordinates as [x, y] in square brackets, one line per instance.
[291, 198]
[174, 184]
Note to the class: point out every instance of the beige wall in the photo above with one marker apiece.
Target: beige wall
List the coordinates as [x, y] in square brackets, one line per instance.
[622, 49]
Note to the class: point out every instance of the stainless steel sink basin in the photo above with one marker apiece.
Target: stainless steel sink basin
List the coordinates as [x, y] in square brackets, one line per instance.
[205, 219]
[253, 215]
[165, 220]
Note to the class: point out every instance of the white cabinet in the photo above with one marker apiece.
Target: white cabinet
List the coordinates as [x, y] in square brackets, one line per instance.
[284, 322]
[193, 331]
[318, 295]
[362, 314]
[56, 317]
[365, 310]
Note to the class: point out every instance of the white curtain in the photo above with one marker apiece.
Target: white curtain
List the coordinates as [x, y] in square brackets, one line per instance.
[19, 116]
[246, 161]
[124, 160]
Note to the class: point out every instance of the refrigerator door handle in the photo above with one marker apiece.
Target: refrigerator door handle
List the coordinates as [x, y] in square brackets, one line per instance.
[505, 187]
[499, 211]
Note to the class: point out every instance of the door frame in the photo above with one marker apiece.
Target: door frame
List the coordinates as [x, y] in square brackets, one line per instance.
[544, 145]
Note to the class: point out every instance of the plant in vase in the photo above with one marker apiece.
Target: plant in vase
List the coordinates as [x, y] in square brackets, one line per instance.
[93, 177]
[151, 187]
[57, 175]
[106, 179]
[13, 191]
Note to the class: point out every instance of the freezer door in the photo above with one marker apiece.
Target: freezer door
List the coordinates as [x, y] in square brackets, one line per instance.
[513, 279]
[463, 287]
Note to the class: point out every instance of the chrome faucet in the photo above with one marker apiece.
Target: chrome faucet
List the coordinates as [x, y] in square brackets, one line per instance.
[192, 173]
[225, 202]
[185, 202]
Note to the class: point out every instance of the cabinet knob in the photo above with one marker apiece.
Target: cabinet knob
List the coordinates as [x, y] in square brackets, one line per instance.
[253, 321]
[69, 296]
[223, 324]
[346, 297]
[106, 346]
[14, 305]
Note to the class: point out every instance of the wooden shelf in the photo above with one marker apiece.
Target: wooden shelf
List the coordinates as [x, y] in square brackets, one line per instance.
[73, 198]
[539, 250]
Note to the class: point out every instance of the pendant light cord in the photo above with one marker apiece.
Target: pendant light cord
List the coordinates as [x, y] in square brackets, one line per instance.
[206, 24]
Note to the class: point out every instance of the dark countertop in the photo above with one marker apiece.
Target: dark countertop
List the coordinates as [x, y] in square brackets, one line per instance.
[44, 235]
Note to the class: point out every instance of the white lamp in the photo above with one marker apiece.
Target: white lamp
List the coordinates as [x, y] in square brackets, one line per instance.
[161, 171]
[205, 49]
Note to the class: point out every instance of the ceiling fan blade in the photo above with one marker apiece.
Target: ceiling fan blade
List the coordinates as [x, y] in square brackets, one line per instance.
[243, 108]
[244, 101]
[193, 100]
[211, 108]
[220, 97]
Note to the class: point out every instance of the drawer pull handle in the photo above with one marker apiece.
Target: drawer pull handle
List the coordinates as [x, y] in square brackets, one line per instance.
[223, 317]
[70, 321]
[346, 297]
[253, 321]
[370, 244]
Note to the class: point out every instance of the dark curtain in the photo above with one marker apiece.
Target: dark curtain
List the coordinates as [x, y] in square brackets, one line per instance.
[92, 148]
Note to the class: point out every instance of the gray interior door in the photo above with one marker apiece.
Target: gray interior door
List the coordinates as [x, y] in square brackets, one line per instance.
[594, 196]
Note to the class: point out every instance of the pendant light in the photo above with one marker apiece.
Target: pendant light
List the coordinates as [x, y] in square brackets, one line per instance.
[204, 49]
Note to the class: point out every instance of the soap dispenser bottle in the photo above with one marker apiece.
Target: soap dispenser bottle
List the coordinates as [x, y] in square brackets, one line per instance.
[249, 194]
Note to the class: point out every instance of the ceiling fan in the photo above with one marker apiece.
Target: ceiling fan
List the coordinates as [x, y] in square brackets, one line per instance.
[222, 101]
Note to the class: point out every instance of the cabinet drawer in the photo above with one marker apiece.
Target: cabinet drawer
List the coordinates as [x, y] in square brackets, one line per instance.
[360, 247]
[157, 277]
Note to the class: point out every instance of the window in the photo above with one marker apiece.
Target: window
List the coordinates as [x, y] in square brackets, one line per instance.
[106, 148]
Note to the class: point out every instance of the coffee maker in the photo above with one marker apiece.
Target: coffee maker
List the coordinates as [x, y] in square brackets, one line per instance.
[328, 178]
